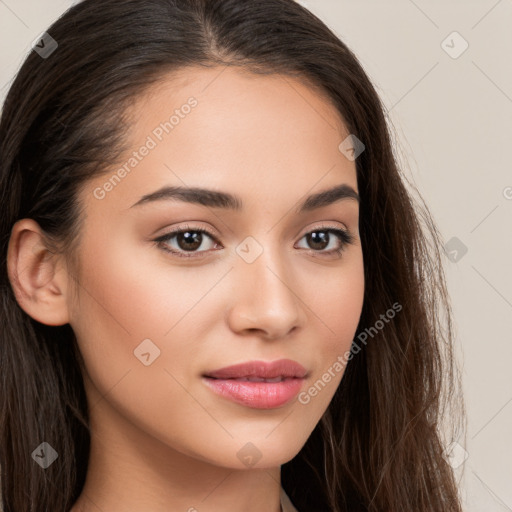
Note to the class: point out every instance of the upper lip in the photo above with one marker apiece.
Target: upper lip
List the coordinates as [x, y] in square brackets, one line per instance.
[261, 369]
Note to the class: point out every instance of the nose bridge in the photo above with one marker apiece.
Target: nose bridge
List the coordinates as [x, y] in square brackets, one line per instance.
[265, 297]
[264, 261]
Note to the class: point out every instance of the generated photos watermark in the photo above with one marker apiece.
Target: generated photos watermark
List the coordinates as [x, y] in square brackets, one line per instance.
[152, 141]
[342, 360]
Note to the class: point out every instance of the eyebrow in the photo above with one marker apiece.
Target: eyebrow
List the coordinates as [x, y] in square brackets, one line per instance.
[218, 199]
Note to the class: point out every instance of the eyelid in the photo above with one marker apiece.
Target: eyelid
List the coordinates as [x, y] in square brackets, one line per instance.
[324, 225]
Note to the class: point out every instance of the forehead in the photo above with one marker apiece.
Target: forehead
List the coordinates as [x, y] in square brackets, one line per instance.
[260, 136]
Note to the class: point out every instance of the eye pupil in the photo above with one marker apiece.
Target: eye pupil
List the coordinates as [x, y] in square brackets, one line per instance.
[318, 237]
[189, 237]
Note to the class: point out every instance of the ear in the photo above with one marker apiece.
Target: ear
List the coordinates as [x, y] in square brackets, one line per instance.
[38, 277]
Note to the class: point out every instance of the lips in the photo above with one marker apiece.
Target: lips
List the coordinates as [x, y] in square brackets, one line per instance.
[260, 371]
[258, 384]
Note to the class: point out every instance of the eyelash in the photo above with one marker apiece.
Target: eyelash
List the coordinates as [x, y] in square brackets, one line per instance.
[345, 236]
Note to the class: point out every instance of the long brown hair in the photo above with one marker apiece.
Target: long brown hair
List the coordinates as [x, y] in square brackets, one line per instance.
[380, 445]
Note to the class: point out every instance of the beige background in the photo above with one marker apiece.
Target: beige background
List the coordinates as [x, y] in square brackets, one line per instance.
[454, 121]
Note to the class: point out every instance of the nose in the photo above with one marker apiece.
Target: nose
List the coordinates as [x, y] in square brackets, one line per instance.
[264, 298]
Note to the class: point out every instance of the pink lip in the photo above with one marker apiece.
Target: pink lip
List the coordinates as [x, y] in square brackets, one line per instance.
[258, 395]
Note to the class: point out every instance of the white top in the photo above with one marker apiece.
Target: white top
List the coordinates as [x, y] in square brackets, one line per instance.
[286, 504]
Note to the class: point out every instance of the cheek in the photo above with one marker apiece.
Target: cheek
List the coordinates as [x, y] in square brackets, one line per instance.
[123, 301]
[336, 306]
[127, 297]
[336, 302]
[129, 291]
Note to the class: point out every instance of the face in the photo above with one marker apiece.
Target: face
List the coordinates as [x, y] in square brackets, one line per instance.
[260, 277]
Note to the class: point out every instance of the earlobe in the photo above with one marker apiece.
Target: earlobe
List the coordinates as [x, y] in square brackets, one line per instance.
[38, 277]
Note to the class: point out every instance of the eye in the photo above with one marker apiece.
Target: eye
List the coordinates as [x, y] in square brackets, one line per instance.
[321, 238]
[186, 242]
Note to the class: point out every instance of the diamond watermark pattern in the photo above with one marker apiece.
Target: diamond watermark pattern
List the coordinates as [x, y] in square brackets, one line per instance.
[249, 454]
[455, 454]
[351, 147]
[249, 249]
[146, 352]
[45, 45]
[44, 455]
[454, 45]
[455, 249]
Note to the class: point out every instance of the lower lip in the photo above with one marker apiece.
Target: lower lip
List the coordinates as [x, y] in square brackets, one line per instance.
[258, 395]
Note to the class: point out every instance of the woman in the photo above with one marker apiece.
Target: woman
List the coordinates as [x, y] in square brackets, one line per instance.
[188, 190]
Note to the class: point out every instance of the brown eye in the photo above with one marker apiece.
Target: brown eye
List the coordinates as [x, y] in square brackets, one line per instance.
[189, 240]
[319, 239]
[186, 241]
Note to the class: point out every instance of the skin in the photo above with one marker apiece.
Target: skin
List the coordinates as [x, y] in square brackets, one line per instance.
[160, 439]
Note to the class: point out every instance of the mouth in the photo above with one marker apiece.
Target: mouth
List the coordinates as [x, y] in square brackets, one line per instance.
[258, 384]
